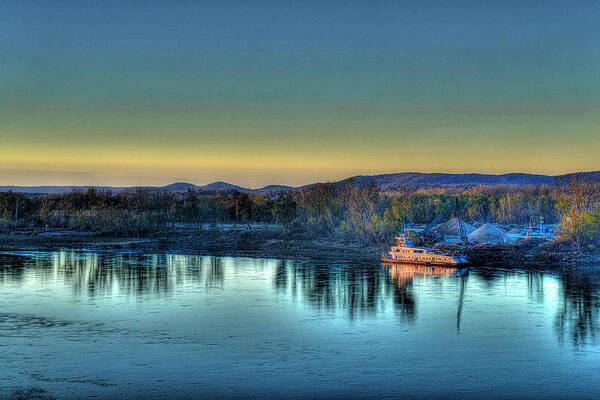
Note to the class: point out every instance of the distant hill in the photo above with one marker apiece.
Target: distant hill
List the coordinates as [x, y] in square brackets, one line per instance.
[274, 188]
[384, 182]
[592, 176]
[58, 189]
[222, 186]
[388, 181]
[179, 187]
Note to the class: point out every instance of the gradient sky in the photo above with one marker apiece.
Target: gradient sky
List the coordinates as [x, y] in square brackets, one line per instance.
[292, 92]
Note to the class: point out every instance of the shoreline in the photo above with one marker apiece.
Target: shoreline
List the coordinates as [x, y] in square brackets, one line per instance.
[235, 243]
[276, 244]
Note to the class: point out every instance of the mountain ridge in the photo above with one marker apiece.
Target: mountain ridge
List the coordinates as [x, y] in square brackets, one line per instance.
[383, 182]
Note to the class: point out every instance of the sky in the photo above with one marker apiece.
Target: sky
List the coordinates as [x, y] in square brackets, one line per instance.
[135, 92]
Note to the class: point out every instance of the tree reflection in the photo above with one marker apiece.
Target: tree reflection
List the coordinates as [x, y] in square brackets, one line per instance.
[461, 301]
[354, 290]
[281, 276]
[535, 285]
[12, 267]
[215, 275]
[577, 318]
[488, 275]
[129, 274]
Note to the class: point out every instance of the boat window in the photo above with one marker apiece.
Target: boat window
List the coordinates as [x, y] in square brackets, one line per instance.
[418, 251]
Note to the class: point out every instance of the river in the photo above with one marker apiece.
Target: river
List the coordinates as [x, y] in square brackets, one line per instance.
[126, 325]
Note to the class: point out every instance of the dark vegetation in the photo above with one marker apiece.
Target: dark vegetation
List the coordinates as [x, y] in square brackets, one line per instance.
[345, 213]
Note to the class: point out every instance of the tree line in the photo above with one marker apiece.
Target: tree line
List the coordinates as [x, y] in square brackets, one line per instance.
[345, 212]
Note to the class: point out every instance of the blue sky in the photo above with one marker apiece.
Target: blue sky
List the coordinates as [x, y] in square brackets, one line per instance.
[146, 92]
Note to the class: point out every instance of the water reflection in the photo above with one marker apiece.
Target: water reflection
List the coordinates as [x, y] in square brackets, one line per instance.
[356, 291]
[535, 285]
[461, 300]
[577, 318]
[404, 274]
[215, 275]
[95, 274]
[331, 289]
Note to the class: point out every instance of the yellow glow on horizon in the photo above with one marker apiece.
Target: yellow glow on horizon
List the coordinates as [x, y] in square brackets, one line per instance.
[254, 166]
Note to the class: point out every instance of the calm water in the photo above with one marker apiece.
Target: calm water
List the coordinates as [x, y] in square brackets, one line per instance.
[80, 324]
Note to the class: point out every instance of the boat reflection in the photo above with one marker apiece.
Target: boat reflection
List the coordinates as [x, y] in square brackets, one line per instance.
[403, 273]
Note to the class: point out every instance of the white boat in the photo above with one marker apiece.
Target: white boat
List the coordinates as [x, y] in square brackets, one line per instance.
[405, 252]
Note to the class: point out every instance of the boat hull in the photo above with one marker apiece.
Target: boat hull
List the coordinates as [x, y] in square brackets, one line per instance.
[404, 252]
[435, 263]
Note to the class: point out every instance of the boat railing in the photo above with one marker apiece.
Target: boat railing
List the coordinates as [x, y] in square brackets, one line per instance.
[404, 241]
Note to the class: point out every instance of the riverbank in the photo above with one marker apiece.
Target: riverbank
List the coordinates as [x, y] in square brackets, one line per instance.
[529, 253]
[273, 243]
[265, 243]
